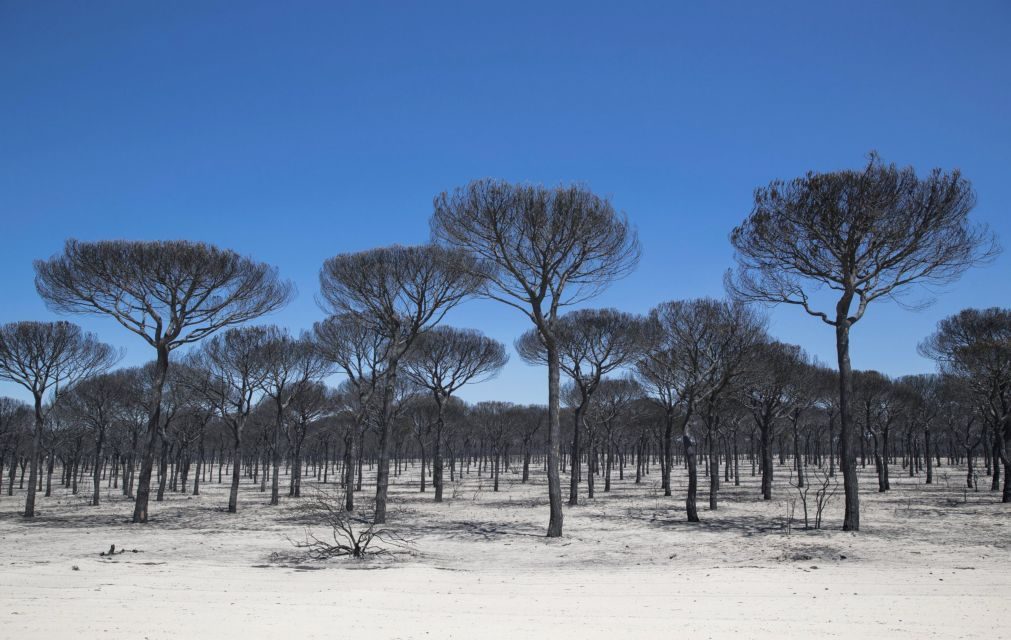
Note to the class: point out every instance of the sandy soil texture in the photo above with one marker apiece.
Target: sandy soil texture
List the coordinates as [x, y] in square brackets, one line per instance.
[931, 562]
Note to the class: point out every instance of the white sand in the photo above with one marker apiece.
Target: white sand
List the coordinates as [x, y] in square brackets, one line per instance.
[926, 565]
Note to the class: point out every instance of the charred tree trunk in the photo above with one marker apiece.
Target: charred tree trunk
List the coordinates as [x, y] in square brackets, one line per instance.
[693, 477]
[851, 517]
[437, 461]
[554, 439]
[140, 508]
[668, 453]
[349, 470]
[96, 480]
[385, 431]
[765, 435]
[575, 455]
[233, 493]
[162, 470]
[526, 461]
[714, 474]
[33, 471]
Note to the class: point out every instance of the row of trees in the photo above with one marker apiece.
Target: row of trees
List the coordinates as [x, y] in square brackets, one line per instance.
[782, 404]
[861, 235]
[96, 425]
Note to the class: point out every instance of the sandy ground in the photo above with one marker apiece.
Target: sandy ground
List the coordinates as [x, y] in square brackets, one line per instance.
[930, 562]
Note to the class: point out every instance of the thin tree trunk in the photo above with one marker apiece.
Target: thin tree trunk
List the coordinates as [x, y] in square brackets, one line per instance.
[233, 493]
[554, 440]
[437, 456]
[349, 469]
[765, 435]
[668, 457]
[162, 470]
[714, 474]
[140, 507]
[693, 477]
[385, 431]
[574, 455]
[33, 470]
[851, 518]
[96, 490]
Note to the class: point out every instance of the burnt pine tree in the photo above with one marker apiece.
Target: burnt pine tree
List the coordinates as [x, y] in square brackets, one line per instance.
[728, 332]
[233, 362]
[15, 415]
[547, 248]
[43, 357]
[97, 402]
[591, 344]
[693, 348]
[877, 406]
[170, 293]
[862, 235]
[442, 361]
[768, 393]
[311, 407]
[398, 292]
[290, 365]
[610, 409]
[922, 404]
[358, 351]
[974, 346]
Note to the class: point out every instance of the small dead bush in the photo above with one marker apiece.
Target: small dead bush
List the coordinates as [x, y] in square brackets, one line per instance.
[349, 533]
[825, 488]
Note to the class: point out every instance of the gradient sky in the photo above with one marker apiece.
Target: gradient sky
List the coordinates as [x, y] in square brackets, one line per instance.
[292, 131]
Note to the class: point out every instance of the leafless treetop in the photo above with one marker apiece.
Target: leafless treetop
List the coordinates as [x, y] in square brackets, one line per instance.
[866, 234]
[290, 364]
[446, 358]
[168, 292]
[354, 346]
[41, 356]
[235, 363]
[696, 346]
[975, 345]
[552, 247]
[399, 290]
[591, 343]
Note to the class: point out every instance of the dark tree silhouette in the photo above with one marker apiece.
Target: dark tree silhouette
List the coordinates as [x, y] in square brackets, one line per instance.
[863, 235]
[442, 361]
[974, 345]
[921, 399]
[737, 335]
[290, 365]
[169, 293]
[611, 403]
[399, 292]
[877, 406]
[591, 344]
[43, 357]
[310, 405]
[97, 402]
[534, 417]
[959, 412]
[769, 393]
[15, 419]
[358, 350]
[234, 362]
[693, 348]
[498, 422]
[548, 249]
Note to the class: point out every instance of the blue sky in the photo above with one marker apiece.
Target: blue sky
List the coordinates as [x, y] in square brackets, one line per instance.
[296, 131]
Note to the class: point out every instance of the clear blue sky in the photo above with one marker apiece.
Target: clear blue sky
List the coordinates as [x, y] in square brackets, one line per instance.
[292, 131]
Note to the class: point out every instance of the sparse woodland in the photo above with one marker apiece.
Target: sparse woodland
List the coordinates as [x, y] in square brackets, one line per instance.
[679, 437]
[693, 385]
